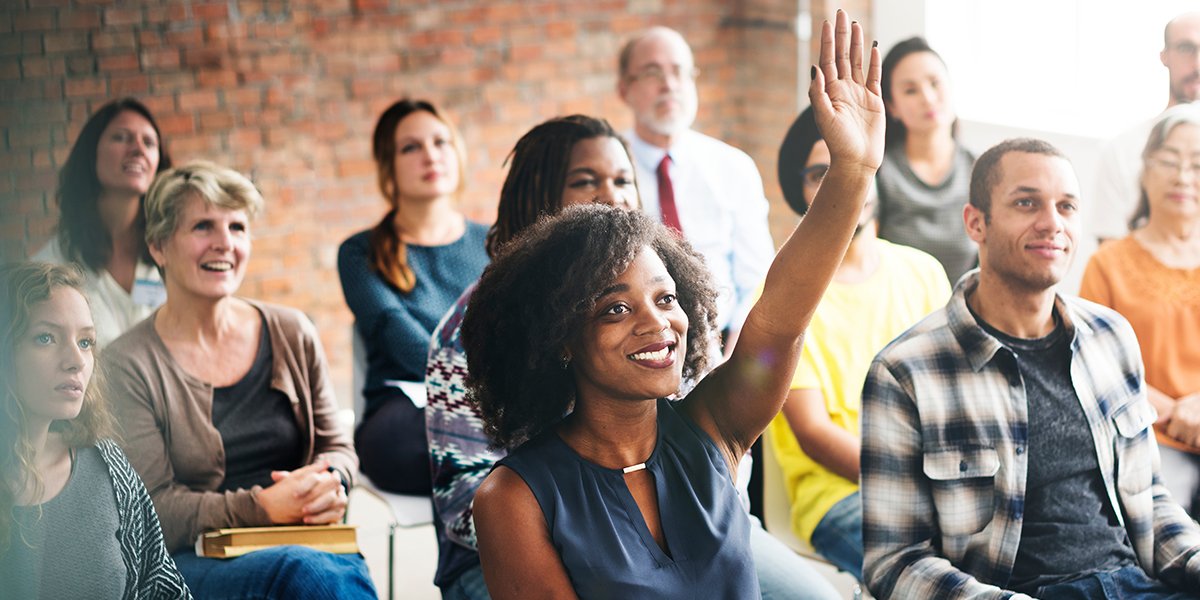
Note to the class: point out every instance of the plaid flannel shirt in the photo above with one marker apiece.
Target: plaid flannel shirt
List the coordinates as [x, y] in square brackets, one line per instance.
[944, 461]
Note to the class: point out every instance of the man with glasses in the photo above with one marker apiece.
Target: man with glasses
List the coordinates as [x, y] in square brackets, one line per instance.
[708, 190]
[1118, 188]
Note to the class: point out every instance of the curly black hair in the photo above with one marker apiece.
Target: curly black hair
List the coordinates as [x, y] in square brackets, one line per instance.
[535, 297]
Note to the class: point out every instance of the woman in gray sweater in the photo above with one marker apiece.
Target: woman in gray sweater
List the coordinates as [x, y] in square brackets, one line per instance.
[75, 520]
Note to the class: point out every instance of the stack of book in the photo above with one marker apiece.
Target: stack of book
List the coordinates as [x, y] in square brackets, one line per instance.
[228, 543]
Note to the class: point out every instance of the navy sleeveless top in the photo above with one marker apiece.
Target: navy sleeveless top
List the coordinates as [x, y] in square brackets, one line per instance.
[602, 537]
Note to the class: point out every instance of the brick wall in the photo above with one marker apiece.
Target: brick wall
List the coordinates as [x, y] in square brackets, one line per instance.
[287, 91]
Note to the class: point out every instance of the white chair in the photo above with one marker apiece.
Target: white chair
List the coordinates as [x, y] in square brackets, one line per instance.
[777, 510]
[407, 510]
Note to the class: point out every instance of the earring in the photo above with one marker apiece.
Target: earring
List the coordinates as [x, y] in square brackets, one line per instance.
[566, 361]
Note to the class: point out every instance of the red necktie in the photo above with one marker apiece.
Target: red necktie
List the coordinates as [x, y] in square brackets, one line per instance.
[666, 196]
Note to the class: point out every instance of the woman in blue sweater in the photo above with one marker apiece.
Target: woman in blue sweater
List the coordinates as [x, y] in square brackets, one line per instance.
[400, 277]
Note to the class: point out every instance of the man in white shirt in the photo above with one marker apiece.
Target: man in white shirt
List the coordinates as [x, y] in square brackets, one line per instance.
[1118, 188]
[707, 189]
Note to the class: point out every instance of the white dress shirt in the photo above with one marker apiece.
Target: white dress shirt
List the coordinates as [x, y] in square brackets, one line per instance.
[722, 209]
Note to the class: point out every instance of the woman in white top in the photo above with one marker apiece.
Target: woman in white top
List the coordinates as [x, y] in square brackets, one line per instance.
[101, 223]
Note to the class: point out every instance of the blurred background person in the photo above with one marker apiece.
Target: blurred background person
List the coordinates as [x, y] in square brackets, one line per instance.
[926, 172]
[1152, 277]
[400, 277]
[879, 290]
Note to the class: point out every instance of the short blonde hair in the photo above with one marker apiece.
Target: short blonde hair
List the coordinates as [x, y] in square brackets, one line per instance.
[216, 185]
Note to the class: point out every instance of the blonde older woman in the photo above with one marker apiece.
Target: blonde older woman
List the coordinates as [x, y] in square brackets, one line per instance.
[226, 404]
[1152, 277]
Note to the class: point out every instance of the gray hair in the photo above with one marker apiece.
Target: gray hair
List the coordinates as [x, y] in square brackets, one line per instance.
[215, 185]
[1180, 114]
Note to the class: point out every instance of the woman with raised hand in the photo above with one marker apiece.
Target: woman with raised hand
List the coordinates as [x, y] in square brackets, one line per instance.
[75, 520]
[400, 277]
[926, 172]
[578, 333]
[100, 225]
[225, 403]
[564, 161]
[1152, 277]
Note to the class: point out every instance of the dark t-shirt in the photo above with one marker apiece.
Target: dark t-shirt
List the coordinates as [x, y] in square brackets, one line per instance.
[257, 425]
[1069, 528]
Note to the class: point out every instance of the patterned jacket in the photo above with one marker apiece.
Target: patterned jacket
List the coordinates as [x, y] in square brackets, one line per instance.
[458, 447]
[152, 571]
[944, 456]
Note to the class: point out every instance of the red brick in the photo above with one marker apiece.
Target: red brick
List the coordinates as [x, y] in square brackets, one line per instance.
[149, 39]
[486, 35]
[216, 78]
[246, 138]
[10, 70]
[113, 40]
[118, 62]
[201, 100]
[166, 58]
[174, 124]
[172, 81]
[192, 36]
[79, 18]
[81, 65]
[208, 57]
[115, 17]
[132, 85]
[64, 42]
[86, 88]
[33, 20]
[243, 97]
[216, 121]
[213, 11]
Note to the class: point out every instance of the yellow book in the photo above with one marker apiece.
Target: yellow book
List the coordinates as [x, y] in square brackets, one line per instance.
[228, 543]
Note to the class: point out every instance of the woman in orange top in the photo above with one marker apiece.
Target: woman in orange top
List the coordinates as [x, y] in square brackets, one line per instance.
[1152, 277]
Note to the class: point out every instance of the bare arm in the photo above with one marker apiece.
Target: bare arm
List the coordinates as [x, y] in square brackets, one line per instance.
[821, 439]
[1184, 416]
[737, 401]
[519, 561]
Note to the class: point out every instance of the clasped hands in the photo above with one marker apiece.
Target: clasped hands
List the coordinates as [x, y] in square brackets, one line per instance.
[312, 495]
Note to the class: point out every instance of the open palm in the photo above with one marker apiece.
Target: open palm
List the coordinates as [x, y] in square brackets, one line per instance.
[847, 101]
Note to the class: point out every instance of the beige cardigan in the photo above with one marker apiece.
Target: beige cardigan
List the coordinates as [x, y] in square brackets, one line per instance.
[165, 416]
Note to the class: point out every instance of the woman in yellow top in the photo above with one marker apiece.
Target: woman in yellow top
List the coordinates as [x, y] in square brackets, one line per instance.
[1152, 277]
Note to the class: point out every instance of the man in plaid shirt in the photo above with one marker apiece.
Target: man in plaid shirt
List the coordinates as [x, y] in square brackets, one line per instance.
[1007, 443]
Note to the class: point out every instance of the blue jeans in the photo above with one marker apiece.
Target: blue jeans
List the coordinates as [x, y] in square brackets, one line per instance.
[838, 537]
[1125, 583]
[468, 586]
[784, 574]
[283, 572]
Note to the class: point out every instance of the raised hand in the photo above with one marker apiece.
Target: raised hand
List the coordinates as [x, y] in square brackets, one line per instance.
[848, 102]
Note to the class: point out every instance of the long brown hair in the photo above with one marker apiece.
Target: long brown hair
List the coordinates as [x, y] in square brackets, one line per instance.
[22, 287]
[81, 238]
[389, 255]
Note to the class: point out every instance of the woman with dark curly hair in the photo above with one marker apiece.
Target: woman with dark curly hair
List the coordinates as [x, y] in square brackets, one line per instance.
[564, 161]
[581, 329]
[101, 226]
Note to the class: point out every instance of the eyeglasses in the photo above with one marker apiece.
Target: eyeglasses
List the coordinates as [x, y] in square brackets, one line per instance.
[658, 74]
[814, 174]
[1185, 48]
[1172, 167]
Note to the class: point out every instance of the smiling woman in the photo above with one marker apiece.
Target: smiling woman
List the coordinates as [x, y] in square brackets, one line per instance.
[225, 402]
[578, 339]
[100, 226]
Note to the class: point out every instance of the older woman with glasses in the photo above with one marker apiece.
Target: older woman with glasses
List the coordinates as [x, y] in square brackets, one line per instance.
[226, 403]
[1152, 277]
